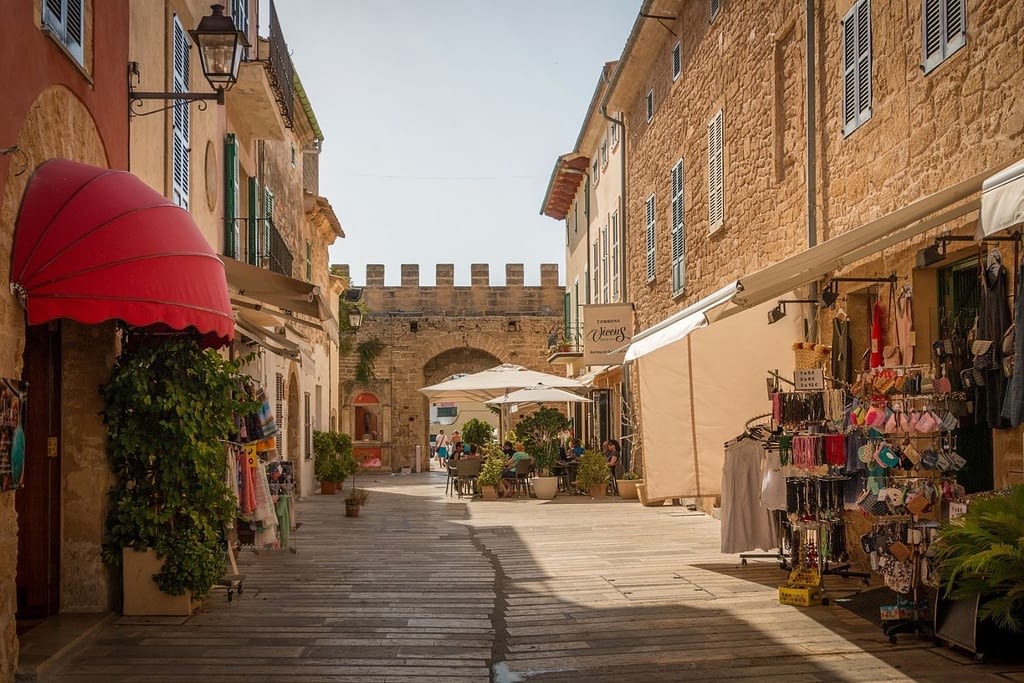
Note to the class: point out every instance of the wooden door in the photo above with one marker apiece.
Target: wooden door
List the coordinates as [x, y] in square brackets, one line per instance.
[38, 501]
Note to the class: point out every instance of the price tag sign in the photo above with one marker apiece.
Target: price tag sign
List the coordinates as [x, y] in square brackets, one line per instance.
[809, 380]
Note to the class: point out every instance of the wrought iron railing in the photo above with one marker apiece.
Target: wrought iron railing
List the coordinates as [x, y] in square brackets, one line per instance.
[279, 259]
[280, 68]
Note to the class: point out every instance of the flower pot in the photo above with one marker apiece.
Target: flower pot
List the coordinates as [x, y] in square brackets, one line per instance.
[328, 488]
[598, 490]
[352, 509]
[628, 487]
[142, 597]
[545, 488]
[489, 492]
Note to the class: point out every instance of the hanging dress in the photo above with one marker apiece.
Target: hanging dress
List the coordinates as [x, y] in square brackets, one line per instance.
[905, 325]
[842, 350]
[876, 336]
[746, 525]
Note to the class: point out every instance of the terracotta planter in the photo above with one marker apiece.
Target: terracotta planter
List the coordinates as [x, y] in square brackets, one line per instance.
[598, 490]
[628, 487]
[352, 510]
[141, 595]
[489, 492]
[328, 488]
[545, 488]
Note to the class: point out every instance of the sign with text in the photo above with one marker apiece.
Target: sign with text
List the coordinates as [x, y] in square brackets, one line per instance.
[606, 328]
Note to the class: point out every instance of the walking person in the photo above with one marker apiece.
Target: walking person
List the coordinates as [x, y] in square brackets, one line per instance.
[443, 444]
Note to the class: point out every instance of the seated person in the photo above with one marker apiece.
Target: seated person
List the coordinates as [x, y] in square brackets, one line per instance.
[471, 452]
[575, 449]
[510, 469]
[456, 452]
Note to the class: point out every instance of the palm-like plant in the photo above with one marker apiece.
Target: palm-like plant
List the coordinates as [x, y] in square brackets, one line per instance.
[982, 553]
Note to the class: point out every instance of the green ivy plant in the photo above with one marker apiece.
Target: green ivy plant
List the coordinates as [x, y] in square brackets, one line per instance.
[168, 405]
[982, 553]
[368, 352]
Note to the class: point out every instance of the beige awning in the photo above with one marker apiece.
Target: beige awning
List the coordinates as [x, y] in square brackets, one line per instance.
[268, 339]
[264, 290]
[1002, 201]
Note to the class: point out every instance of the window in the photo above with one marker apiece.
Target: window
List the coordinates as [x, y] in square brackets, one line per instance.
[65, 20]
[615, 256]
[308, 431]
[943, 31]
[678, 230]
[856, 66]
[586, 285]
[650, 105]
[254, 223]
[716, 7]
[605, 277]
[613, 133]
[716, 173]
[596, 290]
[677, 62]
[181, 119]
[650, 238]
[595, 173]
[279, 411]
[240, 16]
[604, 153]
[567, 316]
[232, 238]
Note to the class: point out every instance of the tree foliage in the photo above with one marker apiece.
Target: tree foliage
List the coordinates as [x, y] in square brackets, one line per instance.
[539, 433]
[477, 432]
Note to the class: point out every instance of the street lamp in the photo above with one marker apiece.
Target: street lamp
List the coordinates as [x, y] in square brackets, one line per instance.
[221, 47]
[355, 317]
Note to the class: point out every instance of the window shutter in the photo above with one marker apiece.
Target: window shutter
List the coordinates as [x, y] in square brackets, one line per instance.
[716, 173]
[567, 317]
[932, 33]
[53, 16]
[943, 30]
[615, 256]
[255, 248]
[856, 66]
[678, 229]
[268, 218]
[66, 20]
[716, 7]
[676, 62]
[240, 16]
[650, 238]
[650, 105]
[597, 271]
[605, 278]
[181, 119]
[309, 261]
[231, 232]
[956, 25]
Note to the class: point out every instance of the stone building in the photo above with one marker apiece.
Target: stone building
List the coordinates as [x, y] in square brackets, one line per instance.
[423, 334]
[768, 151]
[94, 110]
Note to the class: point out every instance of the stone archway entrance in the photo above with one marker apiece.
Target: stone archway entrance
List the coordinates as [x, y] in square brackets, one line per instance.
[451, 415]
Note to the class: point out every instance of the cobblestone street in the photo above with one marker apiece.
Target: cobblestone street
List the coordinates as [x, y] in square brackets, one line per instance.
[424, 587]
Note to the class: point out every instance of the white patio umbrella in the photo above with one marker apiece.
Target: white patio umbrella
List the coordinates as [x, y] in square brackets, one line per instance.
[495, 382]
[539, 393]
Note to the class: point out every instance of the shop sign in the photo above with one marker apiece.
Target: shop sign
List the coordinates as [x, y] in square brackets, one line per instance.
[606, 328]
[13, 397]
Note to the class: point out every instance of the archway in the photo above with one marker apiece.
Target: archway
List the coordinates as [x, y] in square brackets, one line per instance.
[451, 415]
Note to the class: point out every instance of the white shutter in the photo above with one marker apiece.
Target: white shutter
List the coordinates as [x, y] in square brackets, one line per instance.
[716, 173]
[678, 230]
[615, 256]
[605, 279]
[66, 20]
[943, 30]
[650, 238]
[181, 116]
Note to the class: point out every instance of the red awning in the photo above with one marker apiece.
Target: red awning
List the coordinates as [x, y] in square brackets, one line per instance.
[94, 244]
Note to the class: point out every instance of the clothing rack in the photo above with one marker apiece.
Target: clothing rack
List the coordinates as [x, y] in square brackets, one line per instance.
[764, 434]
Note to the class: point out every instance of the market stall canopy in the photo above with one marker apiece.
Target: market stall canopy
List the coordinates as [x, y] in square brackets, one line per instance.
[538, 393]
[94, 244]
[1002, 201]
[265, 290]
[495, 382]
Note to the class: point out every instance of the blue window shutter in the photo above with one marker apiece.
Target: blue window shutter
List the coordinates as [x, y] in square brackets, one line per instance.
[255, 248]
[231, 236]
[66, 20]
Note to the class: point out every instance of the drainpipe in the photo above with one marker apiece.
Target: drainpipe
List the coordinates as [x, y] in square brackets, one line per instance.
[812, 177]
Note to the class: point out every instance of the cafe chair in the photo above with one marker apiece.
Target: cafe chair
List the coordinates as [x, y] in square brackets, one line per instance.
[521, 484]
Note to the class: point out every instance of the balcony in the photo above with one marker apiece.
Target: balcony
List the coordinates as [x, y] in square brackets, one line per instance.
[279, 259]
[263, 96]
[564, 352]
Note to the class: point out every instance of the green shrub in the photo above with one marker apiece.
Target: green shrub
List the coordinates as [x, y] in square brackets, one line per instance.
[539, 433]
[491, 469]
[592, 470]
[477, 432]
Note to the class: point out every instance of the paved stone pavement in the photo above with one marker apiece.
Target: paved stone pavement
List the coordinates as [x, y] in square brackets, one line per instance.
[422, 587]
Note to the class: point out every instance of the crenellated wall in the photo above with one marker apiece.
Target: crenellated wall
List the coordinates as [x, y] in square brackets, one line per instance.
[431, 332]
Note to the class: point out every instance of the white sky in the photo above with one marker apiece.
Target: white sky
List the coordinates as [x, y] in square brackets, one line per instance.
[442, 120]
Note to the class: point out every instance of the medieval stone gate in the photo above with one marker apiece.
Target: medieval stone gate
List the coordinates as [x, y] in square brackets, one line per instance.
[427, 333]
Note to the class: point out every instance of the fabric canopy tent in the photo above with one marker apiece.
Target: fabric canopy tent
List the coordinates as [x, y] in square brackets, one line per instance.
[495, 382]
[1002, 201]
[258, 288]
[539, 393]
[94, 244]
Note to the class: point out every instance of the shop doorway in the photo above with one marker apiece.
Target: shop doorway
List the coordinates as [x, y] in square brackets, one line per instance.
[959, 300]
[37, 503]
[600, 417]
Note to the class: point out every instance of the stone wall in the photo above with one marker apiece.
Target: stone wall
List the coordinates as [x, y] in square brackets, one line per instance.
[429, 333]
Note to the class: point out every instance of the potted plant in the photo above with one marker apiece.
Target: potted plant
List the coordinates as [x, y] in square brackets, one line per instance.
[325, 466]
[592, 473]
[490, 472]
[168, 406]
[628, 485]
[540, 434]
[356, 499]
[980, 558]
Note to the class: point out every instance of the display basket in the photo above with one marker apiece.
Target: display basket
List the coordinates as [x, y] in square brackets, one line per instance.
[808, 355]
